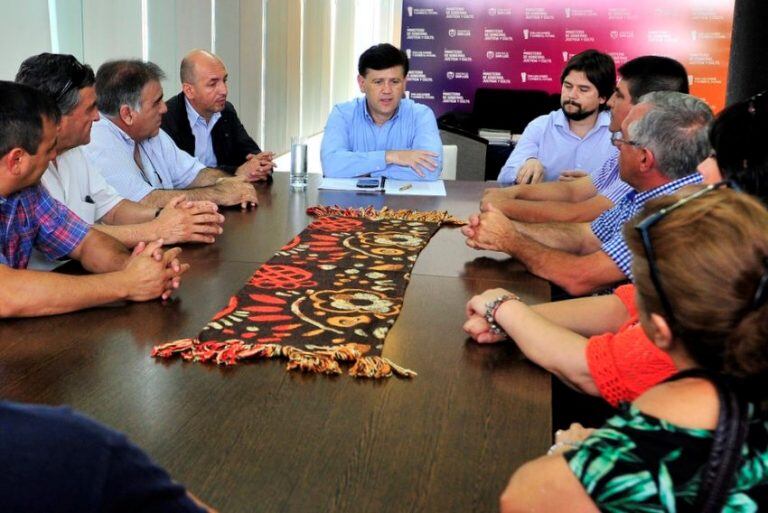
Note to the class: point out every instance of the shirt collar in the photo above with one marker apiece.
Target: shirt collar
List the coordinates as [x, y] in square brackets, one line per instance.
[195, 118]
[668, 188]
[367, 115]
[127, 140]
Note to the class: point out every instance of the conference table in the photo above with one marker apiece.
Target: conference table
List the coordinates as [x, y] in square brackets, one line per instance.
[254, 437]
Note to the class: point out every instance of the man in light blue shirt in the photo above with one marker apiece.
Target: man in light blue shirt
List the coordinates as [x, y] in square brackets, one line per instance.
[382, 134]
[662, 140]
[574, 137]
[140, 160]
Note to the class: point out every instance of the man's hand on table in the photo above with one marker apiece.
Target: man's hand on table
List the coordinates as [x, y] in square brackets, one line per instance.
[256, 168]
[532, 171]
[152, 272]
[415, 159]
[490, 230]
[236, 191]
[188, 221]
[569, 176]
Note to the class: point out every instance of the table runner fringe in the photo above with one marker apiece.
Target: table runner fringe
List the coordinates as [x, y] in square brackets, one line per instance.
[316, 359]
[428, 216]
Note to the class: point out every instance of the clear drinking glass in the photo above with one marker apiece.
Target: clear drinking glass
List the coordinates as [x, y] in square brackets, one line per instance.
[298, 162]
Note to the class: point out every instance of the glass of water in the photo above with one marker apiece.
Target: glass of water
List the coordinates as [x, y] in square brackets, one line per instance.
[298, 162]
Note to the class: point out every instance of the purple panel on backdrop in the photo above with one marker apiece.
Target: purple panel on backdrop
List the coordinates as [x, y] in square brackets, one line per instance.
[458, 46]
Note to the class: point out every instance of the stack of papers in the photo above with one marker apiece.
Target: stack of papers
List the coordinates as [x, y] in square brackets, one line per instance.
[394, 187]
[496, 137]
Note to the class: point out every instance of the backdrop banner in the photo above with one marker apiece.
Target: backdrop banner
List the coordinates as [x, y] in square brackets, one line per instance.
[457, 46]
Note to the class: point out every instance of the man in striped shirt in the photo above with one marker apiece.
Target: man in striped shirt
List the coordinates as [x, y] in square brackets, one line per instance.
[662, 140]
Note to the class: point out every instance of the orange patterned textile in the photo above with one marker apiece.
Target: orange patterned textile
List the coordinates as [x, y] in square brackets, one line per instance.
[326, 298]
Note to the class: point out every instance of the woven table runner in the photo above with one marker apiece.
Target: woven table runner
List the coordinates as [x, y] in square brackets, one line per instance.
[329, 296]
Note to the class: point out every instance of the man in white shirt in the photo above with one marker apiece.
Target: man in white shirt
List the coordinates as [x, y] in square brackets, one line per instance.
[71, 179]
[137, 158]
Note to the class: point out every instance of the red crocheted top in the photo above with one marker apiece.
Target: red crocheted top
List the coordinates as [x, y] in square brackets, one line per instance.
[626, 363]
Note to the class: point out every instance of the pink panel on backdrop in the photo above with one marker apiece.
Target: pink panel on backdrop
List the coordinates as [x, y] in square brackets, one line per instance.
[458, 46]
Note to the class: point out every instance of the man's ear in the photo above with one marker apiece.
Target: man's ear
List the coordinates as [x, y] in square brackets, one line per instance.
[647, 159]
[361, 83]
[13, 159]
[126, 114]
[662, 334]
[188, 90]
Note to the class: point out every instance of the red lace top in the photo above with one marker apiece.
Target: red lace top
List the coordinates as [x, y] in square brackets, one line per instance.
[626, 363]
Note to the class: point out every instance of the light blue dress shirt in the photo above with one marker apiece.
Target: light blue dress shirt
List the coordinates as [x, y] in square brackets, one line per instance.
[353, 145]
[608, 182]
[549, 139]
[165, 165]
[201, 130]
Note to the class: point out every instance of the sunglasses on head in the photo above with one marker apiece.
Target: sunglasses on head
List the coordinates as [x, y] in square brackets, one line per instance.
[76, 72]
[644, 227]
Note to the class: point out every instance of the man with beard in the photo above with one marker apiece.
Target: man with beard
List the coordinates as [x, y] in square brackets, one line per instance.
[574, 137]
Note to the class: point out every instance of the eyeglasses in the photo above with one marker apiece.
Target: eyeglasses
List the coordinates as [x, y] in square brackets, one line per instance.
[643, 228]
[76, 72]
[617, 141]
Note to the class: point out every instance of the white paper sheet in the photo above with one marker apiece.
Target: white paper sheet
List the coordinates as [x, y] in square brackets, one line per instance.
[408, 188]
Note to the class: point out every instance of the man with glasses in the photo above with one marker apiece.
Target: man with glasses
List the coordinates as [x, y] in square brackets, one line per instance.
[662, 140]
[72, 180]
[30, 218]
[139, 159]
[585, 198]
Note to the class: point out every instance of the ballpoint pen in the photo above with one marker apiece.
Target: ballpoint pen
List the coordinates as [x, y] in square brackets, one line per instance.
[405, 187]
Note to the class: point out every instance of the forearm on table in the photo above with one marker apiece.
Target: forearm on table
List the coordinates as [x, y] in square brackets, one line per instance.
[208, 176]
[32, 293]
[549, 211]
[576, 274]
[587, 316]
[129, 212]
[557, 349]
[576, 238]
[130, 234]
[101, 253]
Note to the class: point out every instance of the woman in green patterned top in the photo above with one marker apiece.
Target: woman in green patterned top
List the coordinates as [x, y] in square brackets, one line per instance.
[711, 256]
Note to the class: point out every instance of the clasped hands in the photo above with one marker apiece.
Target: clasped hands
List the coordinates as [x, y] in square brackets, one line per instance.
[418, 160]
[490, 230]
[476, 325]
[152, 272]
[258, 167]
[189, 221]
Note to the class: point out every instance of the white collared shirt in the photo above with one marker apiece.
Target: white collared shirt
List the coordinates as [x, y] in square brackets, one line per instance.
[165, 165]
[201, 129]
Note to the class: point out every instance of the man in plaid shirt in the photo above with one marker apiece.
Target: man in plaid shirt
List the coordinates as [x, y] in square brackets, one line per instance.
[30, 218]
[662, 140]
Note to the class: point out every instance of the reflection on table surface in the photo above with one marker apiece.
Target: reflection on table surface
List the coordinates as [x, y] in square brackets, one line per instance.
[257, 438]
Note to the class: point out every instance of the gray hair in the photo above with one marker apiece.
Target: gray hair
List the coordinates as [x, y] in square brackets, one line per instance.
[120, 83]
[675, 130]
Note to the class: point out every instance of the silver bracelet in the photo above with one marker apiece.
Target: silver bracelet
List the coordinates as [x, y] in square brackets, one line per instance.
[558, 445]
[491, 307]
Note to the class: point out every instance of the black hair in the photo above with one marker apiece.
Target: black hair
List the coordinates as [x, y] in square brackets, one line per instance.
[738, 137]
[22, 109]
[59, 76]
[382, 56]
[599, 69]
[651, 73]
[120, 83]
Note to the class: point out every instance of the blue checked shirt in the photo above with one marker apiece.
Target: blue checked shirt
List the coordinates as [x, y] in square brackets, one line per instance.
[31, 218]
[607, 181]
[608, 226]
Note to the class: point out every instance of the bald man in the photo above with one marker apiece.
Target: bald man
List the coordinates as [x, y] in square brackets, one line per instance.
[203, 123]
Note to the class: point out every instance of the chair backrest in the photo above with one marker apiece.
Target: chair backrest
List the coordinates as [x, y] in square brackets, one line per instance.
[509, 109]
[470, 161]
[450, 154]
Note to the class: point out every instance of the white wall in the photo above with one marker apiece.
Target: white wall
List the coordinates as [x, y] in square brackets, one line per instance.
[289, 61]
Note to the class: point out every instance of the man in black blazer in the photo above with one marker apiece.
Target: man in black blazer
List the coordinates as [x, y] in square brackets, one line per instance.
[203, 123]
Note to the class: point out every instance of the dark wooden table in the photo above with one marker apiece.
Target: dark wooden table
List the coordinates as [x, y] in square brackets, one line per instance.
[257, 438]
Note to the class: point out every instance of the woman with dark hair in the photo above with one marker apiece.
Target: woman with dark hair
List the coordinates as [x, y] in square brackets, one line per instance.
[701, 272]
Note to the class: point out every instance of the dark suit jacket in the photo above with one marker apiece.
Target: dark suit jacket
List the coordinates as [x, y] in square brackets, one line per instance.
[231, 143]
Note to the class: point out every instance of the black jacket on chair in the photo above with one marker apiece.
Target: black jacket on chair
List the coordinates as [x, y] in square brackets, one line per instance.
[231, 143]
